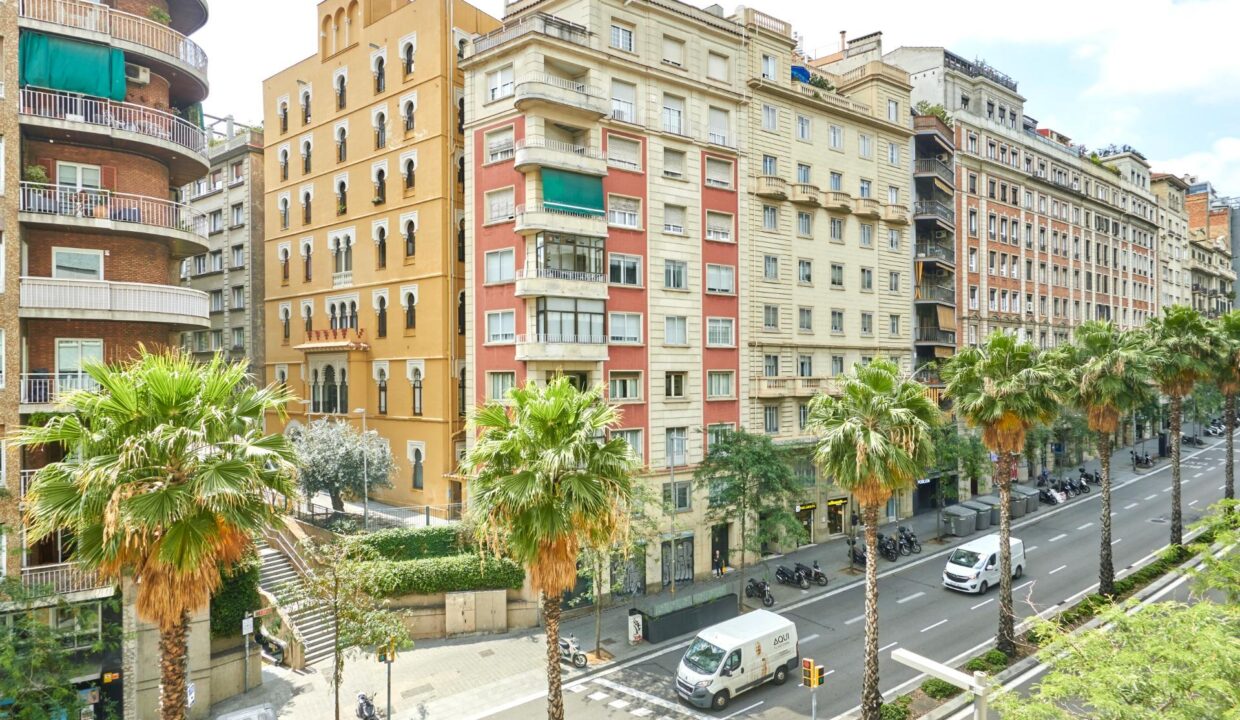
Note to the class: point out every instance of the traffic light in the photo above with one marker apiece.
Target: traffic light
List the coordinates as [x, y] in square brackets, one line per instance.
[820, 675]
[807, 672]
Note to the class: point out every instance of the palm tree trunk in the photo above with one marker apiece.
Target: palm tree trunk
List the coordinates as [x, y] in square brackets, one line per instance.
[871, 698]
[1106, 567]
[1229, 479]
[555, 696]
[1177, 526]
[173, 649]
[1006, 639]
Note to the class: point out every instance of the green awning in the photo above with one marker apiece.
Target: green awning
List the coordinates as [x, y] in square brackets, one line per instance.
[572, 192]
[59, 63]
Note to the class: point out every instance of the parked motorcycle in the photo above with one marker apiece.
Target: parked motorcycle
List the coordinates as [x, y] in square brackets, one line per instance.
[815, 574]
[366, 707]
[1064, 487]
[1215, 431]
[1141, 460]
[888, 548]
[1082, 487]
[1192, 440]
[760, 589]
[789, 576]
[1091, 477]
[856, 551]
[570, 650]
[903, 546]
[908, 536]
[1049, 496]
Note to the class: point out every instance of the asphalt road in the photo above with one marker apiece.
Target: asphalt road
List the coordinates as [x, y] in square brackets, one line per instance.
[915, 611]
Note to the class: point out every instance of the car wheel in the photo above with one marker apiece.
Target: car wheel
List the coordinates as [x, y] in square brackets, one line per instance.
[981, 590]
[781, 675]
[720, 701]
[1019, 571]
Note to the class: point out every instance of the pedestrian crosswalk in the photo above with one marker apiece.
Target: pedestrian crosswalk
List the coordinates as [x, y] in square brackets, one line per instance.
[623, 701]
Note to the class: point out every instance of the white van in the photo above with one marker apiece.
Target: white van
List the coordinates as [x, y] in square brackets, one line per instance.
[727, 659]
[974, 566]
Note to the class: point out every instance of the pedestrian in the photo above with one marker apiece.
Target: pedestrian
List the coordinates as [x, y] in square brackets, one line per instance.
[716, 565]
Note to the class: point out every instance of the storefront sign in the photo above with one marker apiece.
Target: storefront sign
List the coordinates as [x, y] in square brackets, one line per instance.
[806, 506]
[837, 502]
[923, 481]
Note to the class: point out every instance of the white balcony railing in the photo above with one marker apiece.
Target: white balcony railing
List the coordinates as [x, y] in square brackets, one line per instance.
[116, 115]
[96, 17]
[27, 477]
[535, 142]
[46, 199]
[157, 301]
[42, 580]
[532, 272]
[51, 387]
[558, 339]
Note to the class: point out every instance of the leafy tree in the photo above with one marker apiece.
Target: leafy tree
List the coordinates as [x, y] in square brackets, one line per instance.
[1179, 350]
[339, 583]
[166, 479]
[1206, 402]
[1004, 388]
[544, 480]
[1221, 572]
[874, 438]
[957, 451]
[1105, 373]
[1167, 660]
[336, 459]
[750, 483]
[1036, 442]
[1226, 367]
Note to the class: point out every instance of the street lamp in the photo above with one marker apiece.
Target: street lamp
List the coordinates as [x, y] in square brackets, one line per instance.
[365, 473]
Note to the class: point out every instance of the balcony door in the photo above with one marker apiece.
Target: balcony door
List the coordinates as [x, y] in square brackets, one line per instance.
[71, 357]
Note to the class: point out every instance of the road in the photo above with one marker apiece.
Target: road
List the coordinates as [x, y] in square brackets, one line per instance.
[915, 611]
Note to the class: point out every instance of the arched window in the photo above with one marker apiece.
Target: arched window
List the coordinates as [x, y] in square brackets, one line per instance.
[284, 264]
[283, 117]
[408, 113]
[338, 41]
[306, 263]
[342, 198]
[460, 240]
[306, 152]
[342, 145]
[316, 390]
[353, 315]
[348, 253]
[333, 322]
[337, 256]
[407, 58]
[305, 208]
[285, 322]
[341, 85]
[326, 36]
[380, 187]
[282, 377]
[381, 318]
[380, 131]
[380, 75]
[283, 213]
[417, 468]
[305, 108]
[460, 171]
[460, 313]
[460, 49]
[411, 312]
[460, 115]
[417, 392]
[460, 392]
[381, 249]
[344, 390]
[382, 392]
[410, 179]
[284, 164]
[307, 319]
[411, 236]
[330, 396]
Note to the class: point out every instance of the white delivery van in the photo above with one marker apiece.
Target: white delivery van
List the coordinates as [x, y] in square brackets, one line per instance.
[727, 659]
[974, 566]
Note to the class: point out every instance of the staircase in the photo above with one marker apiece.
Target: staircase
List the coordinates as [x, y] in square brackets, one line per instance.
[310, 623]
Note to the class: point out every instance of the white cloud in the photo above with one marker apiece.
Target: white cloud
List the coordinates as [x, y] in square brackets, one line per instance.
[1220, 165]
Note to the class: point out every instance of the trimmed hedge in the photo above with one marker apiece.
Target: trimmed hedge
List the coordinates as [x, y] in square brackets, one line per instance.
[992, 661]
[236, 595]
[939, 689]
[896, 709]
[426, 576]
[413, 543]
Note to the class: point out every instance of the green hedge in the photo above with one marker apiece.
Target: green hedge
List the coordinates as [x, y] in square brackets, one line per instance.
[236, 595]
[896, 709]
[939, 689]
[411, 543]
[992, 661]
[444, 574]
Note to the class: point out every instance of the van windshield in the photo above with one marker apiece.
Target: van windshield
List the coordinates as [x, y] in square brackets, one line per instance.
[703, 657]
[966, 558]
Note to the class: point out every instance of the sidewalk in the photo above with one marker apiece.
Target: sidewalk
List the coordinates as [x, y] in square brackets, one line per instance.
[442, 678]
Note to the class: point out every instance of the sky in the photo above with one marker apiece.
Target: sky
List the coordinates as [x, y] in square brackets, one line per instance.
[1160, 75]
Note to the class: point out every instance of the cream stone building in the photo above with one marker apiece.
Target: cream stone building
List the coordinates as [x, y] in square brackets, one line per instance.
[1174, 279]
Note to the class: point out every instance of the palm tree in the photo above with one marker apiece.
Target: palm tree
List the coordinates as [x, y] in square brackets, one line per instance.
[166, 480]
[1227, 371]
[1004, 388]
[1181, 338]
[544, 483]
[876, 437]
[1106, 374]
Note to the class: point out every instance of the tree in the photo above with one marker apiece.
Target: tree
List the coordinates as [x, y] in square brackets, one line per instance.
[1004, 388]
[874, 438]
[1226, 365]
[956, 451]
[1219, 572]
[923, 107]
[750, 483]
[336, 459]
[166, 480]
[1036, 442]
[1105, 373]
[1167, 660]
[545, 481]
[1179, 348]
[338, 583]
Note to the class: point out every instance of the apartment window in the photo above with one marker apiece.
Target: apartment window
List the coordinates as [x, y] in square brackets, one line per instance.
[624, 386]
[893, 239]
[625, 328]
[622, 37]
[623, 153]
[719, 332]
[720, 279]
[674, 219]
[804, 128]
[217, 260]
[867, 323]
[499, 145]
[973, 223]
[837, 365]
[865, 146]
[633, 438]
[718, 226]
[837, 275]
[716, 67]
[770, 419]
[893, 325]
[674, 384]
[720, 384]
[675, 330]
[893, 154]
[500, 83]
[673, 51]
[673, 163]
[770, 165]
[718, 173]
[805, 319]
[893, 111]
[673, 114]
[217, 339]
[675, 275]
[837, 321]
[238, 337]
[893, 195]
[805, 272]
[770, 267]
[499, 383]
[238, 256]
[624, 269]
[768, 67]
[623, 101]
[837, 229]
[770, 317]
[803, 173]
[216, 221]
[770, 118]
[770, 217]
[623, 211]
[836, 182]
[770, 365]
[500, 266]
[805, 226]
[864, 189]
[867, 279]
[867, 235]
[499, 205]
[501, 326]
[238, 297]
[802, 423]
[835, 137]
[893, 281]
[76, 264]
[237, 214]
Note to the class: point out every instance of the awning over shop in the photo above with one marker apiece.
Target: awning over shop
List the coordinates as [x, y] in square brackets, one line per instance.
[572, 192]
[59, 63]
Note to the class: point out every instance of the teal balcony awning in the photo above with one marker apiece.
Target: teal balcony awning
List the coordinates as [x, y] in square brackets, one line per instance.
[59, 63]
[572, 192]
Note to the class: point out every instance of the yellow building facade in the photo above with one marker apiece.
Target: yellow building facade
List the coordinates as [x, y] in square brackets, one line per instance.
[364, 244]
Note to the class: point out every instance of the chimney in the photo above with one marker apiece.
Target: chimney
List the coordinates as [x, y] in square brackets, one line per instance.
[843, 40]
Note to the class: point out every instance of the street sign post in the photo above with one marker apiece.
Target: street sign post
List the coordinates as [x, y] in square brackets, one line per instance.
[387, 653]
[978, 683]
[247, 629]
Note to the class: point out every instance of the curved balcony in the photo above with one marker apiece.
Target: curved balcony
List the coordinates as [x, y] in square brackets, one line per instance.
[188, 15]
[535, 218]
[769, 186]
[572, 348]
[867, 207]
[124, 126]
[553, 282]
[57, 208]
[168, 52]
[805, 194]
[561, 94]
[60, 299]
[534, 153]
[895, 214]
[837, 201]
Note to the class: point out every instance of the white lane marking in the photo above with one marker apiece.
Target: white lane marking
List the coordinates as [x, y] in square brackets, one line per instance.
[850, 621]
[576, 688]
[1150, 497]
[598, 696]
[641, 712]
[1031, 548]
[1025, 584]
[1167, 489]
[1220, 487]
[984, 602]
[827, 673]
[914, 596]
[648, 698]
[1114, 514]
[1116, 541]
[738, 712]
[888, 646]
[1194, 502]
[808, 638]
[1060, 536]
[1061, 567]
[619, 704]
[1130, 506]
[1086, 525]
[931, 627]
[1201, 473]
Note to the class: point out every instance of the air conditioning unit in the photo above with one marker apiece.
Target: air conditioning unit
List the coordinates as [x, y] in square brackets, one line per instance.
[940, 234]
[137, 74]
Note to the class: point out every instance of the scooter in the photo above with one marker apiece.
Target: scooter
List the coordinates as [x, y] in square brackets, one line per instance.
[887, 548]
[366, 707]
[813, 573]
[760, 589]
[1082, 487]
[570, 650]
[1215, 431]
[1049, 496]
[855, 554]
[1064, 487]
[788, 576]
[908, 536]
[1141, 461]
[1092, 477]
